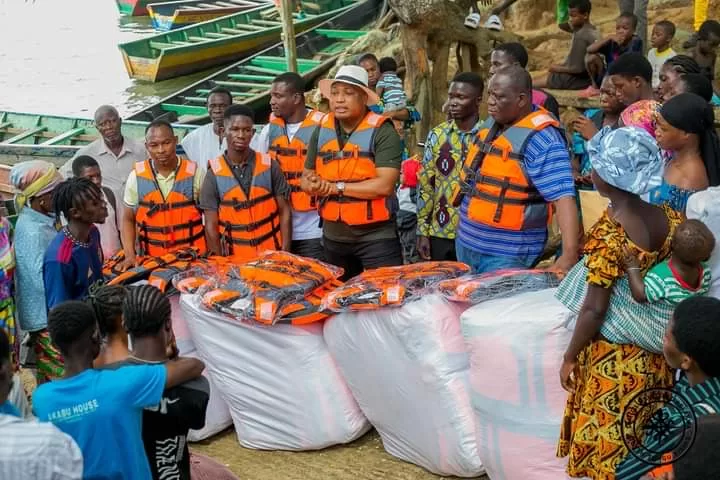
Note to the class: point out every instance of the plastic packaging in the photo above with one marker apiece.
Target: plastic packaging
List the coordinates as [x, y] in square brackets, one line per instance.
[516, 348]
[281, 384]
[390, 286]
[409, 371]
[476, 289]
[271, 287]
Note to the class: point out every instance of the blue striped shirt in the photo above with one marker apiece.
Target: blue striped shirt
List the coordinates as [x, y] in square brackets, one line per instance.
[547, 162]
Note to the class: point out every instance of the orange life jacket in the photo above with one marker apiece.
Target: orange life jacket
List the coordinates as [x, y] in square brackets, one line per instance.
[354, 162]
[500, 193]
[166, 224]
[290, 154]
[248, 224]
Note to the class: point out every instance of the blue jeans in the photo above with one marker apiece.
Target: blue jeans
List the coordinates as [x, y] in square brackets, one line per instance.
[483, 263]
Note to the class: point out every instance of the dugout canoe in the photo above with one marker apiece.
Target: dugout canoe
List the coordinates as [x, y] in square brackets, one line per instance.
[249, 80]
[29, 136]
[220, 41]
[167, 16]
[134, 8]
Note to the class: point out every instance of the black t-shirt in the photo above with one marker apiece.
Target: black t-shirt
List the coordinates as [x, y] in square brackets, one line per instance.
[166, 426]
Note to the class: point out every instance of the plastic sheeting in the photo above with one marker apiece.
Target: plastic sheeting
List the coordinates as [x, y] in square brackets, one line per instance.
[705, 206]
[408, 369]
[18, 397]
[217, 416]
[516, 346]
[280, 382]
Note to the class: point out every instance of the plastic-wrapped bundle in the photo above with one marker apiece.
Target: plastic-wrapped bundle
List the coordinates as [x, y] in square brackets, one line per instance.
[146, 266]
[281, 384]
[390, 286]
[476, 289]
[409, 371]
[272, 287]
[516, 347]
[217, 416]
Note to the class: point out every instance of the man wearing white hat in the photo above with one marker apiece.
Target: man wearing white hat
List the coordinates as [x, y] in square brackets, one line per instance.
[352, 166]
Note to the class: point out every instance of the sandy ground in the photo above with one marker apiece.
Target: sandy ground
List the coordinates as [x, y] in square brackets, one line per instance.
[364, 459]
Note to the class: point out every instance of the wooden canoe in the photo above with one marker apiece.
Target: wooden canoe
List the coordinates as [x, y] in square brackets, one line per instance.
[28, 136]
[249, 80]
[134, 8]
[220, 41]
[171, 15]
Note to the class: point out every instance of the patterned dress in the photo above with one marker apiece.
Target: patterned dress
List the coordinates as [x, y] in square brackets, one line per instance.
[7, 276]
[609, 374]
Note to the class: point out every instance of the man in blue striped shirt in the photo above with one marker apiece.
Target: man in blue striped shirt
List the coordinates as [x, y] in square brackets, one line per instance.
[519, 166]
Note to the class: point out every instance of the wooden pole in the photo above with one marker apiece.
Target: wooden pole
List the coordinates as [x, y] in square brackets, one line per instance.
[286, 15]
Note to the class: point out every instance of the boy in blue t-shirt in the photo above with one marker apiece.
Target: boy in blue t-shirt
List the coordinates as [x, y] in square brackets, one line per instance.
[102, 409]
[604, 52]
[73, 260]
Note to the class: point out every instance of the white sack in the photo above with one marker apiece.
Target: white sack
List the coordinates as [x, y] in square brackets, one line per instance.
[705, 206]
[18, 397]
[516, 346]
[217, 416]
[280, 382]
[408, 369]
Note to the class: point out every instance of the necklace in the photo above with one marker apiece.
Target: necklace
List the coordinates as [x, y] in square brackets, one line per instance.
[74, 240]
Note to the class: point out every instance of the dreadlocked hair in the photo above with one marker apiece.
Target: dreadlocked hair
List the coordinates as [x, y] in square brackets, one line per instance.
[107, 302]
[68, 321]
[73, 193]
[145, 311]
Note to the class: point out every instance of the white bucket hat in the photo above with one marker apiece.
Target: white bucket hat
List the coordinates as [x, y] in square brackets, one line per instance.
[352, 75]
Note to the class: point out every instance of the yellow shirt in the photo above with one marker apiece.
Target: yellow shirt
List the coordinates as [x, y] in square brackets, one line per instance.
[165, 183]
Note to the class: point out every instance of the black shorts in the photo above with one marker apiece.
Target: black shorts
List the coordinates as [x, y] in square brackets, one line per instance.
[568, 81]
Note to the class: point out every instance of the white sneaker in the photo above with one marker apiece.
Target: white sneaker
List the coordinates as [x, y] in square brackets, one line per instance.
[472, 20]
[494, 23]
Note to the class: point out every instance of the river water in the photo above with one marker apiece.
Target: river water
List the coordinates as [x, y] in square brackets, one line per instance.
[61, 57]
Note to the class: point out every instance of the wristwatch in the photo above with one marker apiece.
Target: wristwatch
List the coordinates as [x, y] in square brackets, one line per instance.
[340, 187]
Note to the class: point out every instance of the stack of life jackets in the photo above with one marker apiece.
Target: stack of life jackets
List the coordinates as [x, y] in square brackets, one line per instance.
[480, 288]
[290, 155]
[158, 270]
[165, 224]
[391, 286]
[276, 287]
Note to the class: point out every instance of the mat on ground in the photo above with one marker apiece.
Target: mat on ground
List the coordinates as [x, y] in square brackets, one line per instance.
[516, 347]
[390, 286]
[280, 382]
[408, 369]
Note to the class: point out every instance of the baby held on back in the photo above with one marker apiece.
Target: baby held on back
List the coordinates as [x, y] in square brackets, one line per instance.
[683, 274]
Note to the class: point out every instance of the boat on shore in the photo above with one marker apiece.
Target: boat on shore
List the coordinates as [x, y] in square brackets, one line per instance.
[249, 80]
[53, 138]
[171, 15]
[223, 40]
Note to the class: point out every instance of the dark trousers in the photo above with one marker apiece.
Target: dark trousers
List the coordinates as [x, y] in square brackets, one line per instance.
[354, 258]
[311, 248]
[442, 249]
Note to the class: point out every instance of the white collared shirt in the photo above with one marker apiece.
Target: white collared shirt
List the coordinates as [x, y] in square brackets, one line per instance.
[114, 169]
[202, 145]
[37, 451]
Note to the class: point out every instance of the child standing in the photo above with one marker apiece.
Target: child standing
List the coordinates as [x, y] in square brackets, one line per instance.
[662, 34]
[73, 261]
[704, 50]
[390, 87]
[87, 167]
[683, 274]
[604, 52]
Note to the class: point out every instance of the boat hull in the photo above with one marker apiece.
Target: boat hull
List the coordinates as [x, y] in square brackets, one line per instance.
[183, 18]
[134, 8]
[166, 60]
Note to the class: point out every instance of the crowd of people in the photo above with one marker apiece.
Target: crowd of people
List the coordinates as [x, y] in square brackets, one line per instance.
[340, 186]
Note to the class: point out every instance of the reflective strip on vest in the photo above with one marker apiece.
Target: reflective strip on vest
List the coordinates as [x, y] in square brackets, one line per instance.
[248, 224]
[355, 162]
